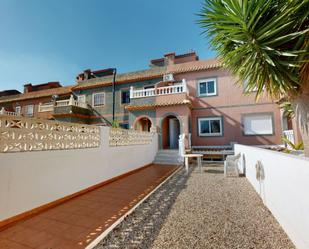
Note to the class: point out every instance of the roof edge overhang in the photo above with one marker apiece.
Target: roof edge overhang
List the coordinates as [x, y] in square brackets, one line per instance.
[154, 106]
[117, 82]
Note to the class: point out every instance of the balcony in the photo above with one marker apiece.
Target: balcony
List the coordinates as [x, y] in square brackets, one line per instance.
[157, 91]
[62, 104]
[158, 96]
[8, 113]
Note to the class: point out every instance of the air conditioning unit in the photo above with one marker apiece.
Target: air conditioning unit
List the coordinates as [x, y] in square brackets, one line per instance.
[168, 77]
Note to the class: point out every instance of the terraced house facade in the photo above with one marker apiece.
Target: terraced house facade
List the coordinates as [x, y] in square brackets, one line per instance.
[177, 94]
[180, 94]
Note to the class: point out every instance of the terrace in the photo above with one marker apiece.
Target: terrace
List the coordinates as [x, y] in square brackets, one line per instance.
[72, 201]
[172, 93]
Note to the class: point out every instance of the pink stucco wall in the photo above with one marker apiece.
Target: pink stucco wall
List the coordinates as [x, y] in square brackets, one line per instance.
[230, 103]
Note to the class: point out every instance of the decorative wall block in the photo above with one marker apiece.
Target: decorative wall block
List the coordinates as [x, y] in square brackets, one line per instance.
[30, 134]
[122, 137]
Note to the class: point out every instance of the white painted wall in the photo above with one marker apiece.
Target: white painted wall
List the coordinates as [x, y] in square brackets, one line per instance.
[284, 189]
[31, 179]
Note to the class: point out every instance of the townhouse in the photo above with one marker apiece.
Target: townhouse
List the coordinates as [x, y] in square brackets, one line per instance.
[177, 94]
[180, 94]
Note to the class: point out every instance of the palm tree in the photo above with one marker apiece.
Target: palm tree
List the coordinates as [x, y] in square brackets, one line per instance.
[287, 108]
[264, 42]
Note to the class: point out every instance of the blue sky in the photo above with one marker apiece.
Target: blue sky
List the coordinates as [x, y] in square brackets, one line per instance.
[53, 40]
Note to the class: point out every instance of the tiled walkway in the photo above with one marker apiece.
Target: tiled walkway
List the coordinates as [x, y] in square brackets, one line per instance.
[79, 221]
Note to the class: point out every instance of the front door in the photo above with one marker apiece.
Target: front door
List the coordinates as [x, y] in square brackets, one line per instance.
[173, 133]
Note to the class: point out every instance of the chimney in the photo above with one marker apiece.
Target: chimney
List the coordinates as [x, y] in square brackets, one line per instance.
[87, 74]
[27, 88]
[169, 58]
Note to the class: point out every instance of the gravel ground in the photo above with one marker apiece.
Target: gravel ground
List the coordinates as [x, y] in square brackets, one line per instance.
[200, 210]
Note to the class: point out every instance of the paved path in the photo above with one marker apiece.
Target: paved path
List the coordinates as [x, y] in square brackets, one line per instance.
[204, 210]
[79, 221]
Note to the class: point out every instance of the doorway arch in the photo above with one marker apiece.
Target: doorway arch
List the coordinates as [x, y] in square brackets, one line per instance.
[170, 127]
[142, 124]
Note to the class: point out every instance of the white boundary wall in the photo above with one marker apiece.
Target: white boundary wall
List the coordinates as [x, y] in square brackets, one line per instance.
[284, 189]
[31, 179]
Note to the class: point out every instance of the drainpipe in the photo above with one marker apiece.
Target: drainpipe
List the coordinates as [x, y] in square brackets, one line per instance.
[114, 89]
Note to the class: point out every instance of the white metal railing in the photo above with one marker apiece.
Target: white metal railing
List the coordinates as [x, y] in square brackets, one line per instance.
[71, 102]
[177, 88]
[289, 134]
[46, 107]
[4, 112]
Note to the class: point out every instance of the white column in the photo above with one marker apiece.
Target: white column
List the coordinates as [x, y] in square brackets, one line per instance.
[181, 145]
[2, 111]
[184, 85]
[71, 101]
[131, 92]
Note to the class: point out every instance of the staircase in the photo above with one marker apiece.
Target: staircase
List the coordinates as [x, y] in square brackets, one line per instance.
[168, 157]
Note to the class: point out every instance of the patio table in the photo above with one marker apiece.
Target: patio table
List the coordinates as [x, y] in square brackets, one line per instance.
[197, 156]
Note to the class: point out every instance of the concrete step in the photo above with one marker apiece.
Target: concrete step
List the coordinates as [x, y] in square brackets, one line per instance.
[167, 157]
[166, 162]
[167, 152]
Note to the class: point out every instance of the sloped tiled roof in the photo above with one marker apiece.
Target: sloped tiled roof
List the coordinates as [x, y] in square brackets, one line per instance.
[123, 78]
[154, 105]
[37, 94]
[194, 66]
[150, 73]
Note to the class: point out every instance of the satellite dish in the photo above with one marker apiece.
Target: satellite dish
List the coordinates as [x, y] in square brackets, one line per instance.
[54, 97]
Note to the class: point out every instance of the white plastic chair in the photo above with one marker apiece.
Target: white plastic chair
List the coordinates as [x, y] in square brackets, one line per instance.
[231, 162]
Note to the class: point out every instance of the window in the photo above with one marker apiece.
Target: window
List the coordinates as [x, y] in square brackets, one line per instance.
[18, 109]
[210, 126]
[258, 124]
[81, 98]
[29, 110]
[149, 87]
[207, 87]
[124, 125]
[98, 99]
[125, 97]
[248, 88]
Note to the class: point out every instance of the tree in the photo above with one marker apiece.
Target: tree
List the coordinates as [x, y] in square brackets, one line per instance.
[264, 42]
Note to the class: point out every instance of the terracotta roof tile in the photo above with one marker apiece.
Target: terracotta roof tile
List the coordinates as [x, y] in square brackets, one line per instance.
[151, 106]
[123, 78]
[150, 73]
[37, 94]
[194, 66]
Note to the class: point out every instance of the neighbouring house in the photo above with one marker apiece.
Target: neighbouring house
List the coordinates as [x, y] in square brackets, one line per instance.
[177, 94]
[36, 100]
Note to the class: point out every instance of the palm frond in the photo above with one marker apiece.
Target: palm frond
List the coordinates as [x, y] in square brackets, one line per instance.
[262, 41]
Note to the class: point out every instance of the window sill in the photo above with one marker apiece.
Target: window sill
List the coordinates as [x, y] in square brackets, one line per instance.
[207, 95]
[210, 135]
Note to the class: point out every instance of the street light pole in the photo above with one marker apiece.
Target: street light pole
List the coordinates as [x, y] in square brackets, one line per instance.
[114, 89]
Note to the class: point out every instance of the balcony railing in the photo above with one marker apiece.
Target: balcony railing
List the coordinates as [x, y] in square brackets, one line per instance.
[4, 112]
[71, 102]
[289, 134]
[48, 107]
[179, 88]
